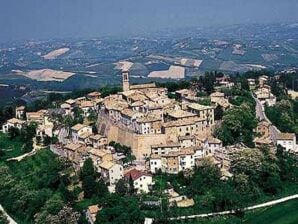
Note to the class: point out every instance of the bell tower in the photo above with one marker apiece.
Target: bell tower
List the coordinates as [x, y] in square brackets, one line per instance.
[125, 80]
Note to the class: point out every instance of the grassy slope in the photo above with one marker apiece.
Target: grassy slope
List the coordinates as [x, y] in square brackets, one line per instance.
[285, 213]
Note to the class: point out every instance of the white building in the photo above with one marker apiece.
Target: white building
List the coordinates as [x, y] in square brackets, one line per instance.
[211, 144]
[288, 141]
[141, 181]
[14, 122]
[155, 163]
[67, 107]
[20, 112]
[186, 159]
[87, 106]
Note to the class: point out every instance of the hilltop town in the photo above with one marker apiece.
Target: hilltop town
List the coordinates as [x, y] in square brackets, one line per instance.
[134, 136]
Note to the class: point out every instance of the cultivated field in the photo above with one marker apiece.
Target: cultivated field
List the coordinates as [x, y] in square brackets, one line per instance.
[55, 53]
[47, 75]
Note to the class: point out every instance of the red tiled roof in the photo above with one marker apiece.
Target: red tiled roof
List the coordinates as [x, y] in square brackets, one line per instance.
[135, 174]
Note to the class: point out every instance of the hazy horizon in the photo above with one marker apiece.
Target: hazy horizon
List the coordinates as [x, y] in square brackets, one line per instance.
[34, 19]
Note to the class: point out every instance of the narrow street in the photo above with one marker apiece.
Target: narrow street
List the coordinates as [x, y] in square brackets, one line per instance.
[260, 114]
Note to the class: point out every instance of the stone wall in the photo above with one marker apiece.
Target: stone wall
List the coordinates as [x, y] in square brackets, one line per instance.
[140, 144]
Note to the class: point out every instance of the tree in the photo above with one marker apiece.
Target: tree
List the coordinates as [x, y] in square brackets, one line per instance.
[92, 116]
[13, 132]
[78, 115]
[247, 161]
[287, 163]
[121, 187]
[101, 189]
[88, 178]
[206, 176]
[244, 83]
[51, 207]
[3, 218]
[68, 216]
[28, 146]
[2, 153]
[28, 132]
[47, 140]
[208, 82]
[89, 186]
[237, 126]
[8, 112]
[218, 113]
[87, 169]
[120, 210]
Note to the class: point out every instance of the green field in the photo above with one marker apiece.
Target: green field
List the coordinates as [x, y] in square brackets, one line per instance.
[11, 148]
[285, 213]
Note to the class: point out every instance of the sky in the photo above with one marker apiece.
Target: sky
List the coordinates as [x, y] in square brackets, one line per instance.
[44, 19]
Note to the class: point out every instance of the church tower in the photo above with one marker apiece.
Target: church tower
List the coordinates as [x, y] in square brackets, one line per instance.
[125, 80]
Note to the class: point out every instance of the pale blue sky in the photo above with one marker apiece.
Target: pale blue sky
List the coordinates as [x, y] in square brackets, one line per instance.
[26, 19]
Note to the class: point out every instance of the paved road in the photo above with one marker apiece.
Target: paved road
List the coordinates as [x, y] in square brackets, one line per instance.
[260, 114]
[263, 205]
[10, 220]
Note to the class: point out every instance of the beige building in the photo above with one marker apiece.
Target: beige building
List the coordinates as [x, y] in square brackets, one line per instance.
[81, 133]
[163, 149]
[92, 212]
[75, 153]
[99, 156]
[187, 127]
[67, 108]
[98, 141]
[37, 117]
[217, 96]
[263, 128]
[219, 99]
[94, 96]
[204, 112]
[111, 172]
[187, 141]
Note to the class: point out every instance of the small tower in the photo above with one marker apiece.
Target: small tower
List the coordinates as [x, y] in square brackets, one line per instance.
[125, 80]
[20, 112]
